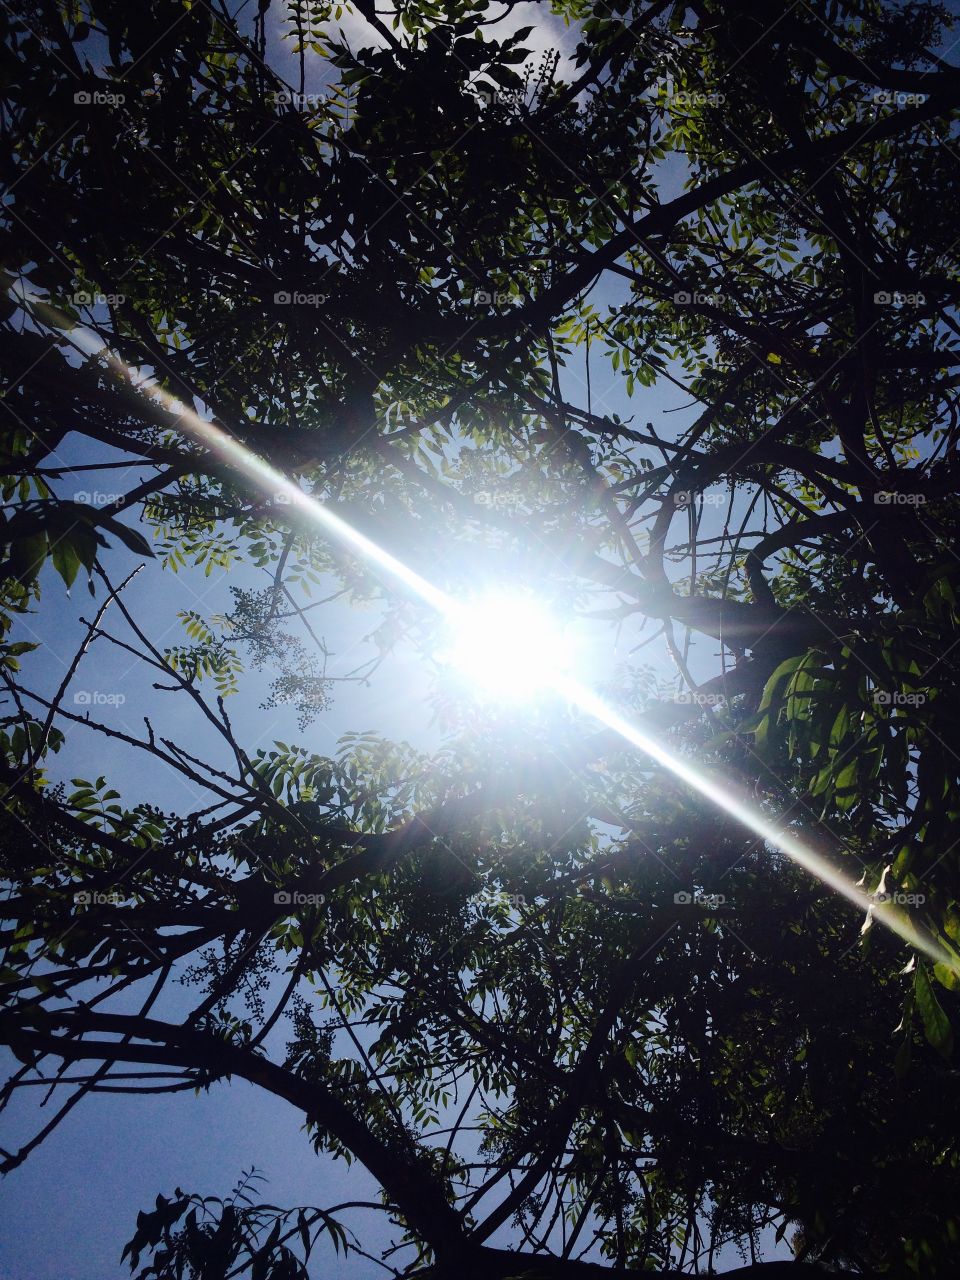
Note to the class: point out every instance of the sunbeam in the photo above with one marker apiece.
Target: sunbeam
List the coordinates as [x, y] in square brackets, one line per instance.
[497, 639]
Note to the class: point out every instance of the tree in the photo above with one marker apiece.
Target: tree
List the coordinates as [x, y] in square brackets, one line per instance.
[532, 980]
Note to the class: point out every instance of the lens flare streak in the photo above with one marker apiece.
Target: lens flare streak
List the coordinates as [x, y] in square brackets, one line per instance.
[271, 481]
[751, 816]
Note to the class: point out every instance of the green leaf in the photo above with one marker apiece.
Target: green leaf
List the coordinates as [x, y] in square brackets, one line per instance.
[130, 537]
[946, 976]
[936, 1024]
[766, 712]
[65, 561]
[27, 556]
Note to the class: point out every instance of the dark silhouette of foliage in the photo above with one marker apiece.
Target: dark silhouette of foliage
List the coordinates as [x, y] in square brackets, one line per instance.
[529, 980]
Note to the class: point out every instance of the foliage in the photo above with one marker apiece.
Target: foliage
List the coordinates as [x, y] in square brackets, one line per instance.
[528, 980]
[215, 1235]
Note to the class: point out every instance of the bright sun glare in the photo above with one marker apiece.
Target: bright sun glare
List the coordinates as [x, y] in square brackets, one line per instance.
[508, 644]
[511, 645]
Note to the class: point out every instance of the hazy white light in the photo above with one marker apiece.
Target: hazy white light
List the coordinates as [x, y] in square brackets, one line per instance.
[508, 644]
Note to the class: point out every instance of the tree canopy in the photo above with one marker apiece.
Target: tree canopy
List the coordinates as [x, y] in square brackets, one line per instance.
[570, 1016]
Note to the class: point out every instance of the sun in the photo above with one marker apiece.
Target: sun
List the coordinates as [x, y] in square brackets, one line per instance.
[508, 644]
